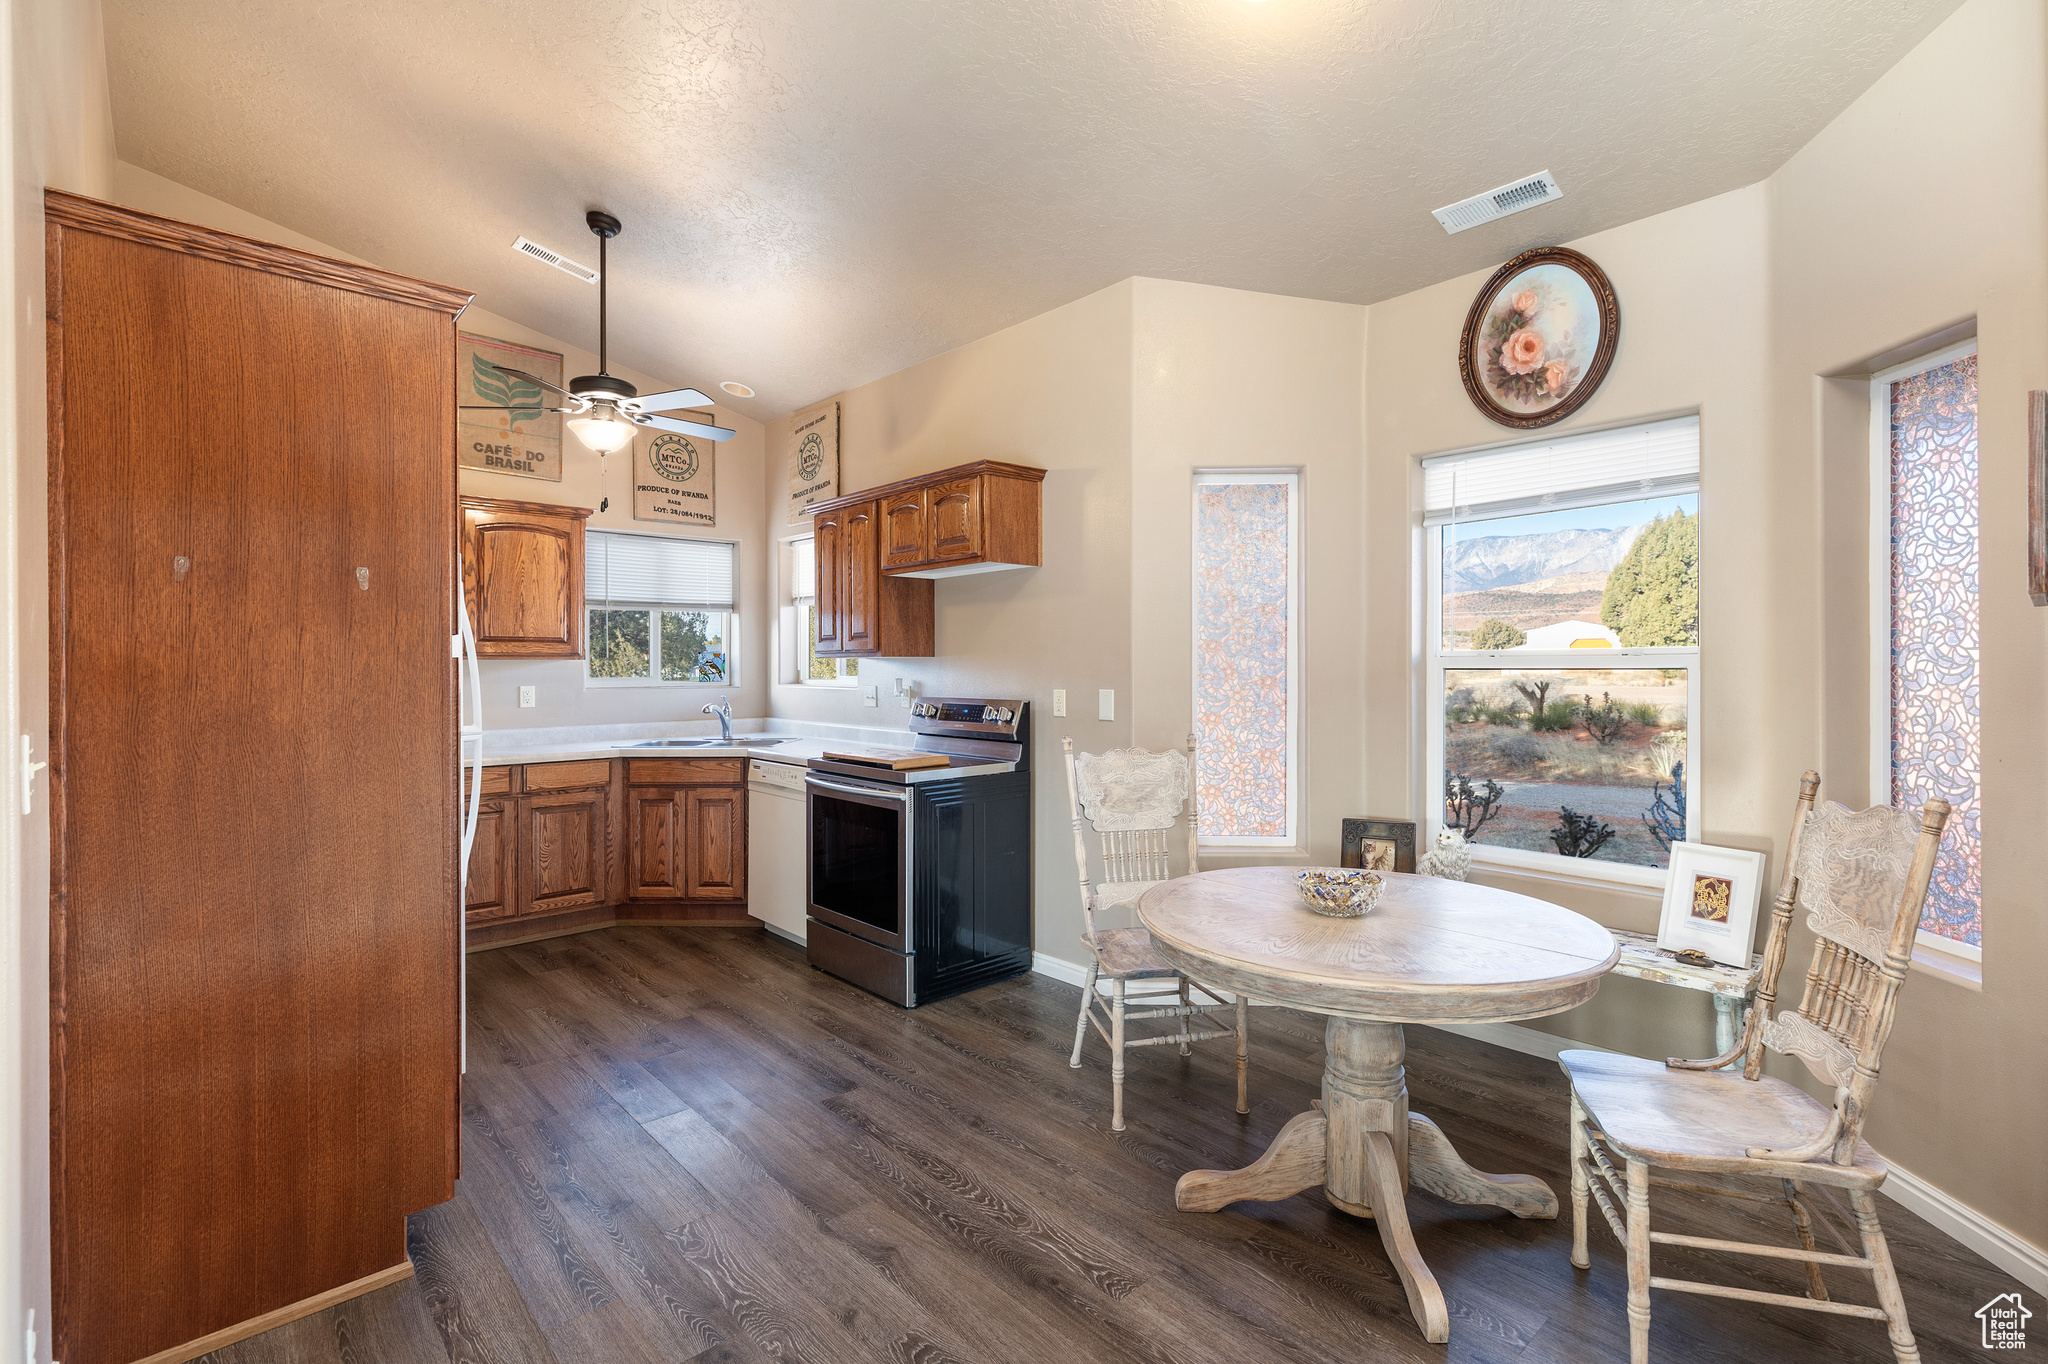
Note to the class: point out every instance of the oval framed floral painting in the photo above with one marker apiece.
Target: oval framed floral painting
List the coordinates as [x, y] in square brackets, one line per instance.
[1539, 338]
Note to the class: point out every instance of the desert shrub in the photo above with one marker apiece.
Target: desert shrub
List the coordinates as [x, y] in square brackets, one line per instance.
[1665, 819]
[1534, 691]
[1606, 722]
[1558, 715]
[1461, 699]
[1495, 715]
[1578, 835]
[1516, 747]
[1648, 714]
[1494, 633]
[1469, 804]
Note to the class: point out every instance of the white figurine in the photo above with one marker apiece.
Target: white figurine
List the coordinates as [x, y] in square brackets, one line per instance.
[1450, 858]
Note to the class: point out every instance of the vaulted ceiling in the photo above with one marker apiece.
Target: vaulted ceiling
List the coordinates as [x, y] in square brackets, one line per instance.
[819, 192]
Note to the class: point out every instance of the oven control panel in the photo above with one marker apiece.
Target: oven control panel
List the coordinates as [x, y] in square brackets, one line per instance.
[973, 715]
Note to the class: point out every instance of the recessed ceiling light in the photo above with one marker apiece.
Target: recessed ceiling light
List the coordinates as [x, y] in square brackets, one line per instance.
[738, 390]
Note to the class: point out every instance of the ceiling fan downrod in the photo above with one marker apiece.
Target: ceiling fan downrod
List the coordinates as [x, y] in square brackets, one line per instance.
[606, 227]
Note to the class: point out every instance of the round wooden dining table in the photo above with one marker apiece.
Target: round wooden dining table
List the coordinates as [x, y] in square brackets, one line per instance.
[1432, 951]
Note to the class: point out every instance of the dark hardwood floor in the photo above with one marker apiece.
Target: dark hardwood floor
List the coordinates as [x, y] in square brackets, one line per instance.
[685, 1144]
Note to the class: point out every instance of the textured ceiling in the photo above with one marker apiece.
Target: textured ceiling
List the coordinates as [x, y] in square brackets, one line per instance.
[819, 192]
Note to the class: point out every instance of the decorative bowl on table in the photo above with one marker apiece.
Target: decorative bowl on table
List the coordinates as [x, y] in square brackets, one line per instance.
[1341, 893]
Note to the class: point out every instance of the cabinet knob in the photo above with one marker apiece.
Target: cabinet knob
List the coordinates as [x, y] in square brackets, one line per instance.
[363, 579]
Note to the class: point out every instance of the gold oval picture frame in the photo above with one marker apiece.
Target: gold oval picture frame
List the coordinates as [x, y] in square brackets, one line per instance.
[1539, 337]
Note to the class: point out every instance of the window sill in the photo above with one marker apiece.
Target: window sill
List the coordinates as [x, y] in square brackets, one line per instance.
[1570, 871]
[1252, 855]
[629, 683]
[1945, 963]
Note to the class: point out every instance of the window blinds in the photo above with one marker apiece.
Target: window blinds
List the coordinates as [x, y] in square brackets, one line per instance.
[803, 572]
[1659, 459]
[653, 570]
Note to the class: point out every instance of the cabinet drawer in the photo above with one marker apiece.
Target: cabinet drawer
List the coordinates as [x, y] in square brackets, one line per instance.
[685, 771]
[497, 780]
[567, 776]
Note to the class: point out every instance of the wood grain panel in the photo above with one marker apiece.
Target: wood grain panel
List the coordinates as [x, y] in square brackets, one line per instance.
[568, 776]
[686, 771]
[714, 852]
[491, 891]
[654, 844]
[904, 530]
[955, 520]
[860, 572]
[522, 568]
[564, 840]
[497, 780]
[828, 539]
[254, 909]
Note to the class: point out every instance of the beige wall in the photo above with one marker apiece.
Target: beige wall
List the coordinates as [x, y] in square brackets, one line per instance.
[1922, 208]
[60, 134]
[1054, 392]
[560, 695]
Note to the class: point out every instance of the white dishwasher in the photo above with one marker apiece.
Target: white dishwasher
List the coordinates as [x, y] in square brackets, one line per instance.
[778, 882]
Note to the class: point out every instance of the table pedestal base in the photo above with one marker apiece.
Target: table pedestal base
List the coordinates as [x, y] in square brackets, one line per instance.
[1365, 1148]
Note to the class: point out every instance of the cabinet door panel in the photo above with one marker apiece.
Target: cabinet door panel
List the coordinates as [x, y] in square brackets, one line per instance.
[715, 859]
[493, 863]
[522, 568]
[955, 519]
[903, 530]
[829, 542]
[863, 591]
[562, 844]
[654, 857]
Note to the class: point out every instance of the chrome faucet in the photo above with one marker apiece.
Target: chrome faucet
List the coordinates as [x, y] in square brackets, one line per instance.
[723, 710]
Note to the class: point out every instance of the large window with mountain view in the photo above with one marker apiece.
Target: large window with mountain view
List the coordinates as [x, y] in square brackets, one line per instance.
[1563, 628]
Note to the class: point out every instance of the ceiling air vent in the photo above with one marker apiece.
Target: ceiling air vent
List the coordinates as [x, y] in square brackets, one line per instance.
[1539, 188]
[560, 262]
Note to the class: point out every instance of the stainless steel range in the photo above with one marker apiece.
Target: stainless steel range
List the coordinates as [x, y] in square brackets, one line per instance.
[920, 880]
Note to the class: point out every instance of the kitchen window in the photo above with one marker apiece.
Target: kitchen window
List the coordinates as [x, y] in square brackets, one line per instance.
[1247, 664]
[1925, 630]
[660, 610]
[803, 587]
[1562, 640]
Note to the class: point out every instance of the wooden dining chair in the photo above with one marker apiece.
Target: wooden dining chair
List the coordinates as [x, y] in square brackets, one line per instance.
[1132, 798]
[1862, 877]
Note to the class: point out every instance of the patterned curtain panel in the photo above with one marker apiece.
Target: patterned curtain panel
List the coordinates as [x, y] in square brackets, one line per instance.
[1934, 741]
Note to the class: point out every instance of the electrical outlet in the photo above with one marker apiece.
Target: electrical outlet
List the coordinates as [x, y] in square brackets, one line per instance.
[526, 698]
[1105, 705]
[1059, 700]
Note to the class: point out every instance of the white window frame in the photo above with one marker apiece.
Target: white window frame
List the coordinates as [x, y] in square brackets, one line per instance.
[1437, 661]
[1292, 476]
[798, 627]
[732, 625]
[1929, 949]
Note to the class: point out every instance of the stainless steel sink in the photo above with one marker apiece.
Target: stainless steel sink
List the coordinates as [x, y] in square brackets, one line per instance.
[743, 741]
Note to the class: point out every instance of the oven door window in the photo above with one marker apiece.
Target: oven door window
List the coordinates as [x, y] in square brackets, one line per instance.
[856, 860]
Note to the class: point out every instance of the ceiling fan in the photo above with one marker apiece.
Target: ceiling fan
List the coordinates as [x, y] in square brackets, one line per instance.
[603, 411]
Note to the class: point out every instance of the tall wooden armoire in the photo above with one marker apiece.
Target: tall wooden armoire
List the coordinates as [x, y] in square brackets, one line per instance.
[255, 951]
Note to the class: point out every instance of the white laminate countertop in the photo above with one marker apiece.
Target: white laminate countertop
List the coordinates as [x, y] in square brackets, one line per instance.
[504, 747]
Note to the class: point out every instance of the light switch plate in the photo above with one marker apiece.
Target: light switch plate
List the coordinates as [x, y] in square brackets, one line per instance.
[1059, 700]
[1105, 705]
[526, 698]
[870, 696]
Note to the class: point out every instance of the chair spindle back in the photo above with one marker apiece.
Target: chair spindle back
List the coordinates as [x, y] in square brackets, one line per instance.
[1862, 876]
[1132, 798]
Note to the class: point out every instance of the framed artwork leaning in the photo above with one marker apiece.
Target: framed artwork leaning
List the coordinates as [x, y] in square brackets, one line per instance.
[1378, 844]
[1710, 902]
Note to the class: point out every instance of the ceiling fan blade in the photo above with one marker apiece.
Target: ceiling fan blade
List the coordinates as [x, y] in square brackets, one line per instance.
[531, 379]
[681, 428]
[497, 407]
[663, 402]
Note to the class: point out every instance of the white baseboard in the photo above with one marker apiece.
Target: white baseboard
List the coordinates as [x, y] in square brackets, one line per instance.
[2000, 1245]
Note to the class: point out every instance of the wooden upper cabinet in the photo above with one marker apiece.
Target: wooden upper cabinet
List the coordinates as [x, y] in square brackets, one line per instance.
[974, 518]
[522, 571]
[863, 582]
[828, 539]
[905, 529]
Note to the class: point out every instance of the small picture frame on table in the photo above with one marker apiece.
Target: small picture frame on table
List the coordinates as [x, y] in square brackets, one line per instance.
[1710, 902]
[1378, 844]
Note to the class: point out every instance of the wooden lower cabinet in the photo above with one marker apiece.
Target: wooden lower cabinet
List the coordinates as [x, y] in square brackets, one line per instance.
[652, 835]
[566, 841]
[715, 849]
[493, 862]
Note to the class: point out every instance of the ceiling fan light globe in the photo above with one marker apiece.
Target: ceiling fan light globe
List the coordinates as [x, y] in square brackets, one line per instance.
[603, 428]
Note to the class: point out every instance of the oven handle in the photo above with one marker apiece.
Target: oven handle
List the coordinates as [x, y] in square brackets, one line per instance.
[879, 792]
